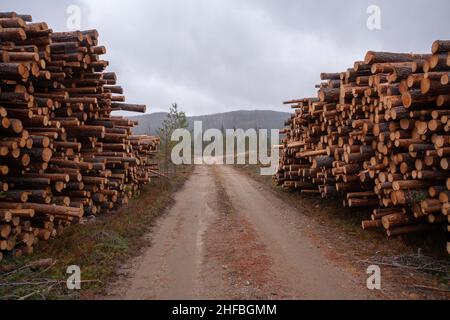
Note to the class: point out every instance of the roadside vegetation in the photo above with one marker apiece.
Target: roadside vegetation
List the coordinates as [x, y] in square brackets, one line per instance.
[416, 263]
[101, 245]
[98, 248]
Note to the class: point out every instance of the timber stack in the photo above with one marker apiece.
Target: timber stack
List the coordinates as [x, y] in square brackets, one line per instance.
[63, 156]
[378, 135]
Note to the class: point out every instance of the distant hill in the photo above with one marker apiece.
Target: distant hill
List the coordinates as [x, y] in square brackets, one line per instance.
[149, 123]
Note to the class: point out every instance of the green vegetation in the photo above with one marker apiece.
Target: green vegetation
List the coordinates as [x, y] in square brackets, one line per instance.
[99, 247]
[334, 216]
[175, 120]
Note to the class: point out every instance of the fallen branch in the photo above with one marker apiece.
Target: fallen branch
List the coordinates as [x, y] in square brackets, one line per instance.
[412, 262]
[431, 288]
[48, 263]
[38, 283]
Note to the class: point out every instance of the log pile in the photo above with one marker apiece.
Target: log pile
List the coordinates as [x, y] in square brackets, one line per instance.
[378, 135]
[63, 156]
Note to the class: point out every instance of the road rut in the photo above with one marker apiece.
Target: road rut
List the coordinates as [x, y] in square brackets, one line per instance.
[228, 237]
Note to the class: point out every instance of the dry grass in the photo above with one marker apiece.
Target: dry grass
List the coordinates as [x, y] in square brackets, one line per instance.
[340, 234]
[332, 213]
[98, 248]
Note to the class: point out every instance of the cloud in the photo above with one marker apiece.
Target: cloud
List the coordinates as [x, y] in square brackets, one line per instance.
[218, 55]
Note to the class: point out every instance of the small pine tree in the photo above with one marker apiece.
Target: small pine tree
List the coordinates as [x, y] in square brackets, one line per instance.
[175, 120]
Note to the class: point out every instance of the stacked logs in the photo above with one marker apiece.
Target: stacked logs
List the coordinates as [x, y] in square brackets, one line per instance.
[63, 156]
[379, 135]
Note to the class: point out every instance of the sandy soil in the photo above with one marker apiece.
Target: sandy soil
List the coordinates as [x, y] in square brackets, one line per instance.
[228, 237]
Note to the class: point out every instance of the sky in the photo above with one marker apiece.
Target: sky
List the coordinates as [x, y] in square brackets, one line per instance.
[212, 56]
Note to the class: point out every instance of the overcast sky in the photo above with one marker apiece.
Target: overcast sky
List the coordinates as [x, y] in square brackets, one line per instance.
[220, 55]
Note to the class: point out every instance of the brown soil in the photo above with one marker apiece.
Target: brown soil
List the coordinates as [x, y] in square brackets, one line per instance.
[231, 237]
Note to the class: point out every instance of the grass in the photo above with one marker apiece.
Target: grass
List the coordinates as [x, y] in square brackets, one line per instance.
[332, 213]
[340, 231]
[98, 248]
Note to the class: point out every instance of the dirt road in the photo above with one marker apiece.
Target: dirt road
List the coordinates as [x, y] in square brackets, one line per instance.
[227, 237]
